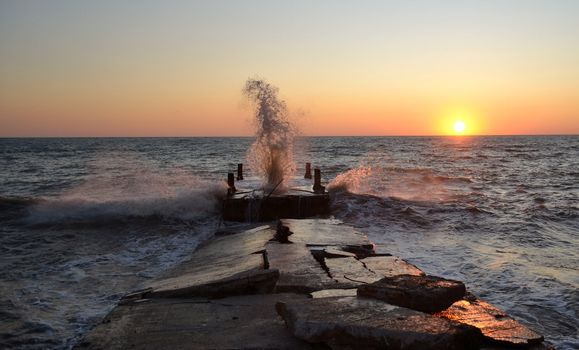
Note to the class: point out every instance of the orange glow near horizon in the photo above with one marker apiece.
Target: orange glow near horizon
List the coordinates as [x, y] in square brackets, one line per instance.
[227, 116]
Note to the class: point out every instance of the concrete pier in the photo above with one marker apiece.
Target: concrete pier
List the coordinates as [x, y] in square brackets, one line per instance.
[249, 202]
[251, 206]
[325, 289]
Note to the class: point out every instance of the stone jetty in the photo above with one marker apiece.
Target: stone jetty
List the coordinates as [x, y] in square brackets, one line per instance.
[303, 284]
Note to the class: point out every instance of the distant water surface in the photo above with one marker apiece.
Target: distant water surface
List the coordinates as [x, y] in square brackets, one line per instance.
[83, 221]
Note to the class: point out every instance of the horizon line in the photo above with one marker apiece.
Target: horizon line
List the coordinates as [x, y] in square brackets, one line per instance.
[251, 136]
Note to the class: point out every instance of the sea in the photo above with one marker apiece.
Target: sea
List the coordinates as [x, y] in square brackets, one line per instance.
[85, 220]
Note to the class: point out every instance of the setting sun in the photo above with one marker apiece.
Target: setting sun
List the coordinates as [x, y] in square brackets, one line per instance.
[460, 120]
[459, 126]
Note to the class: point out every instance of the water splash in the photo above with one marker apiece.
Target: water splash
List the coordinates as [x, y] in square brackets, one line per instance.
[351, 180]
[135, 189]
[417, 184]
[271, 155]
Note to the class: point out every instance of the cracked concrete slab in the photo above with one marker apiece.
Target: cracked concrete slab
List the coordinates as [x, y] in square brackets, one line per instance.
[225, 276]
[228, 265]
[298, 269]
[355, 323]
[388, 266]
[244, 322]
[422, 293]
[327, 232]
[329, 293]
[350, 272]
[494, 323]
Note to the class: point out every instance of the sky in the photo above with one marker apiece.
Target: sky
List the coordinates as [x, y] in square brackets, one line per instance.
[177, 68]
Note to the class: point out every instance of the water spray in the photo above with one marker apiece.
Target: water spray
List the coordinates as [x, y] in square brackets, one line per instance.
[270, 155]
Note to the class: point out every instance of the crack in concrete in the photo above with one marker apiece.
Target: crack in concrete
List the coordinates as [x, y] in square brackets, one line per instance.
[319, 256]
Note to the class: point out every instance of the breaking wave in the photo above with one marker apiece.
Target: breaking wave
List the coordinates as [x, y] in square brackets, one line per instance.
[177, 196]
[414, 184]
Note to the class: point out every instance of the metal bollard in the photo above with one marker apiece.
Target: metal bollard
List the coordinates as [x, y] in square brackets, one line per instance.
[318, 188]
[231, 184]
[308, 174]
[240, 171]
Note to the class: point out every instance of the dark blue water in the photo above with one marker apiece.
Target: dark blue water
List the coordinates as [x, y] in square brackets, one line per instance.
[83, 221]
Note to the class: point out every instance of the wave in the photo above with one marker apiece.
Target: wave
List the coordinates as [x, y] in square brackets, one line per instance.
[417, 184]
[445, 179]
[16, 202]
[15, 207]
[138, 195]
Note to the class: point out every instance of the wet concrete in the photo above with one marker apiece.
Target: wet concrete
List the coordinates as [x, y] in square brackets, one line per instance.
[299, 270]
[328, 232]
[323, 264]
[388, 266]
[244, 322]
[494, 323]
[421, 293]
[296, 203]
[351, 322]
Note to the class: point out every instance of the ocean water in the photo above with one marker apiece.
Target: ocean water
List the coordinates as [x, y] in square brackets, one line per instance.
[83, 221]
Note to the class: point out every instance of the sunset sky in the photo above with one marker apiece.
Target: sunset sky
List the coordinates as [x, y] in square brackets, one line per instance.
[177, 68]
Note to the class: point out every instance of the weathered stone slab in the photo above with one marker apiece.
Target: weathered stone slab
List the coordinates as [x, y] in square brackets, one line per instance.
[354, 323]
[350, 272]
[222, 266]
[388, 266]
[235, 229]
[422, 293]
[337, 253]
[327, 232]
[245, 322]
[329, 293]
[224, 248]
[239, 244]
[494, 323]
[539, 346]
[298, 269]
[220, 277]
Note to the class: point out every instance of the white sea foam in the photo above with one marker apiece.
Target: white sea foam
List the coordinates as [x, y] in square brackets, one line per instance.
[133, 189]
[409, 184]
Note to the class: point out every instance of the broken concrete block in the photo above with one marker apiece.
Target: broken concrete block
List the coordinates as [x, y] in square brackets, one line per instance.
[239, 244]
[244, 322]
[388, 266]
[328, 293]
[327, 232]
[298, 270]
[217, 278]
[227, 265]
[422, 293]
[224, 248]
[494, 323]
[539, 346]
[355, 323]
[350, 272]
[330, 252]
[235, 229]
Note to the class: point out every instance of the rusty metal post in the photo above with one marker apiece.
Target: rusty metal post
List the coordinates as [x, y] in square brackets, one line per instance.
[240, 171]
[231, 184]
[308, 174]
[318, 188]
